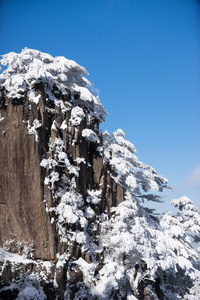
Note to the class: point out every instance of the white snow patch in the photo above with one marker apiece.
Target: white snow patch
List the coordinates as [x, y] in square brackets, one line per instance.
[13, 257]
[63, 125]
[77, 115]
[33, 98]
[54, 125]
[89, 212]
[62, 259]
[1, 118]
[80, 160]
[32, 129]
[94, 196]
[90, 135]
[48, 163]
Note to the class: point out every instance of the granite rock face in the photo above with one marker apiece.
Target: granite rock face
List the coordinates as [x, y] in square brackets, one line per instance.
[22, 211]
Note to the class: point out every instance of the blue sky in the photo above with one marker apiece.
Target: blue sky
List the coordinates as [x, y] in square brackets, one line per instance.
[143, 56]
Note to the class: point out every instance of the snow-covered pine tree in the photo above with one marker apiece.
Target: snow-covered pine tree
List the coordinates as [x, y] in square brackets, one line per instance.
[139, 178]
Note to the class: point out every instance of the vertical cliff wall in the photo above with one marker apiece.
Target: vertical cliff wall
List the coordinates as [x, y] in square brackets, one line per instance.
[22, 213]
[51, 156]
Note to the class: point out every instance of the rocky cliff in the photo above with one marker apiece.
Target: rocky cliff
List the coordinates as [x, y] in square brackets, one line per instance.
[54, 183]
[71, 223]
[41, 142]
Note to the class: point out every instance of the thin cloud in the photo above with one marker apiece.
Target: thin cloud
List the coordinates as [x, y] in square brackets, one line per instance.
[194, 178]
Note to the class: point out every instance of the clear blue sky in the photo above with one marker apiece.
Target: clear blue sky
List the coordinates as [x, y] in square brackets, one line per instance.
[143, 56]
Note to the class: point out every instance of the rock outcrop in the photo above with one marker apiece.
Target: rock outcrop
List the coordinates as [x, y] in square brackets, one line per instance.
[51, 147]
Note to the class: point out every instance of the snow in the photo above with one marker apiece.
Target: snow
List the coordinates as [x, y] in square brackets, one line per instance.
[110, 274]
[141, 239]
[33, 98]
[1, 118]
[54, 125]
[81, 237]
[69, 211]
[131, 181]
[127, 170]
[29, 293]
[13, 257]
[87, 269]
[57, 157]
[181, 202]
[66, 213]
[33, 129]
[100, 150]
[80, 160]
[48, 163]
[90, 136]
[53, 177]
[59, 71]
[63, 125]
[62, 259]
[89, 212]
[94, 196]
[77, 115]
